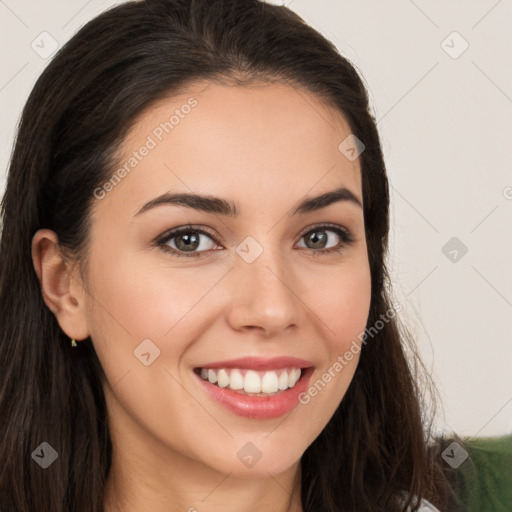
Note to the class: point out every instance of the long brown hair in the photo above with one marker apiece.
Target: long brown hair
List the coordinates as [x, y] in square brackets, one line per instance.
[116, 67]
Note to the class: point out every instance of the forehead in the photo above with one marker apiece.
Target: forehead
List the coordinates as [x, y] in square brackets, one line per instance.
[243, 141]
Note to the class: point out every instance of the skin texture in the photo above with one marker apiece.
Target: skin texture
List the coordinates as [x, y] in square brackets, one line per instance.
[265, 147]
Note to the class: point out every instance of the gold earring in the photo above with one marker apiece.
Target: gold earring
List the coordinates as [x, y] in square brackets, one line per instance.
[73, 343]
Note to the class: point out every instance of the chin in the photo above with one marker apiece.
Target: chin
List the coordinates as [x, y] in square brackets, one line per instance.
[261, 470]
[252, 462]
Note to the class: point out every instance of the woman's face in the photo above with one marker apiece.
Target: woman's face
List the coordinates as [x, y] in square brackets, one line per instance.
[285, 287]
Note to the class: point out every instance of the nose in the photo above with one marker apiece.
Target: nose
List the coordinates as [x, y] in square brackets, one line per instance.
[265, 296]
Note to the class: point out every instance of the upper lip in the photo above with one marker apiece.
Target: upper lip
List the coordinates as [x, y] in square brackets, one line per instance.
[260, 363]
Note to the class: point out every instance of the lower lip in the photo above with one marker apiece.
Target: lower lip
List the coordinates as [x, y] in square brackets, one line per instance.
[260, 407]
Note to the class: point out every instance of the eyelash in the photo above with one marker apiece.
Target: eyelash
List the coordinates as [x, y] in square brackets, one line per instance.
[345, 236]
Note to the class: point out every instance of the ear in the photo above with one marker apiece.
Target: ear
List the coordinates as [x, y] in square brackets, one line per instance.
[61, 287]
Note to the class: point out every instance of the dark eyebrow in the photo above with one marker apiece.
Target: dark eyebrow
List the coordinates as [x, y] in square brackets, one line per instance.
[212, 204]
[321, 201]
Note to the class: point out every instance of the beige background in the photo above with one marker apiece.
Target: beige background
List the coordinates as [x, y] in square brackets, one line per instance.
[444, 115]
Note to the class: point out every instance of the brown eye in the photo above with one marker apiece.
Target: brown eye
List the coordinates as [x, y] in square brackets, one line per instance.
[319, 238]
[187, 240]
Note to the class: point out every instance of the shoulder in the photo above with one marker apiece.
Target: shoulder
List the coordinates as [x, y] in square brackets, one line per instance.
[425, 506]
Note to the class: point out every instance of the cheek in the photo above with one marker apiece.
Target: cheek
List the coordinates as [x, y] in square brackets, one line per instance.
[343, 304]
[136, 300]
[144, 308]
[148, 301]
[343, 309]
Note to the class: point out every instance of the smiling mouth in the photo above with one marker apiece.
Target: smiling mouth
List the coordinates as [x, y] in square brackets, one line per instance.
[252, 382]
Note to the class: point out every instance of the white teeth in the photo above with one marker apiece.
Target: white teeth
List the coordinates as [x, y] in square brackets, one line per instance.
[283, 381]
[236, 380]
[293, 377]
[252, 382]
[223, 378]
[269, 383]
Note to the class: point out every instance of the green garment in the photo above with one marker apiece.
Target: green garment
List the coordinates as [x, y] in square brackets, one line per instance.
[484, 479]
